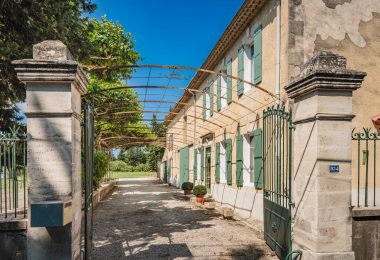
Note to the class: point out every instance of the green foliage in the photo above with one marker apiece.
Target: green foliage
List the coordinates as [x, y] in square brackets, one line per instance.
[101, 161]
[111, 46]
[200, 190]
[118, 166]
[153, 154]
[133, 156]
[187, 185]
[27, 22]
[142, 167]
[121, 166]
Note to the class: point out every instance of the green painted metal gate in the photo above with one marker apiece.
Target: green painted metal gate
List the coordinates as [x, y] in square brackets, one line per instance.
[277, 181]
[88, 175]
[184, 165]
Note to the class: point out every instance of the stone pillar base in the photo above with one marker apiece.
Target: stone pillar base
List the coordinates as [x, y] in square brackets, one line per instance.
[310, 255]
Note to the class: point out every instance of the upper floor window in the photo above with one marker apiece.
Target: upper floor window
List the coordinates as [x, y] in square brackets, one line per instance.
[208, 97]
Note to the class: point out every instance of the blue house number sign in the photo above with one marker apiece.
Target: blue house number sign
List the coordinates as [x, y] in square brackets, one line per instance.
[334, 168]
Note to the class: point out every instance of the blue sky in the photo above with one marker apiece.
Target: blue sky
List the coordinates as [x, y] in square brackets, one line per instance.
[170, 32]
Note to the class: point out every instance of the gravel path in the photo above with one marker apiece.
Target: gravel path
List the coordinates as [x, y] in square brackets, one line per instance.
[144, 219]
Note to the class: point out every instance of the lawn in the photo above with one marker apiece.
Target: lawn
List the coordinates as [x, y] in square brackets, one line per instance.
[118, 175]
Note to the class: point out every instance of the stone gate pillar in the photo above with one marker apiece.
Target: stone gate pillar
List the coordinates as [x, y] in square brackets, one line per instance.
[322, 157]
[54, 84]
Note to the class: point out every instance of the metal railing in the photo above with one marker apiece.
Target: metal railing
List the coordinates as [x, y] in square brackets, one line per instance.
[13, 174]
[366, 166]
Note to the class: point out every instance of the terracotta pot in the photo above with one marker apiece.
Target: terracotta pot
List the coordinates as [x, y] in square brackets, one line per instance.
[187, 192]
[200, 199]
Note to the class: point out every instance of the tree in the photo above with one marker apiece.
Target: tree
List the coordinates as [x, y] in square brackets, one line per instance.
[27, 22]
[155, 152]
[133, 156]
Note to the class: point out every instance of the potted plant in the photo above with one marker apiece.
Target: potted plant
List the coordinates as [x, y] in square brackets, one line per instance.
[187, 187]
[200, 191]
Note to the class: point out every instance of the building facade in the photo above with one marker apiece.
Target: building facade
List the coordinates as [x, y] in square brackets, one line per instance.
[214, 132]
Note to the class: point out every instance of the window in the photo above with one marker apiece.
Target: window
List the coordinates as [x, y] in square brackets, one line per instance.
[240, 84]
[221, 87]
[208, 95]
[223, 163]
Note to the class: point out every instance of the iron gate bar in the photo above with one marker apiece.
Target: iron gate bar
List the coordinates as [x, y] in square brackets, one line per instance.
[366, 136]
[277, 151]
[12, 167]
[88, 176]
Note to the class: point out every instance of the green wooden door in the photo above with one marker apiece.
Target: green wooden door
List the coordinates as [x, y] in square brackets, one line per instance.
[184, 165]
[165, 172]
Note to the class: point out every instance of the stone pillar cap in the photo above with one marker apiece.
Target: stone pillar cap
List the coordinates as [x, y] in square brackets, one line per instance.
[327, 71]
[51, 50]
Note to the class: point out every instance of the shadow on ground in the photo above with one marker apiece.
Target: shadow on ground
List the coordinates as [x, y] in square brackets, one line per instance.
[147, 220]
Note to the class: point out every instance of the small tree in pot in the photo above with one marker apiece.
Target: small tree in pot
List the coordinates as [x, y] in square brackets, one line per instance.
[187, 187]
[200, 191]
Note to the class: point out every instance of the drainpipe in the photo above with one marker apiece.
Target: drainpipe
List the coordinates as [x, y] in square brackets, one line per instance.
[278, 50]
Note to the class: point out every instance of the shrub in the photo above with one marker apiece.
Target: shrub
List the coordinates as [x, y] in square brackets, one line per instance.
[142, 167]
[187, 185]
[118, 166]
[100, 167]
[200, 190]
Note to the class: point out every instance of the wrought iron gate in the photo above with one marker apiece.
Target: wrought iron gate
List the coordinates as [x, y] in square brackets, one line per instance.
[277, 148]
[88, 175]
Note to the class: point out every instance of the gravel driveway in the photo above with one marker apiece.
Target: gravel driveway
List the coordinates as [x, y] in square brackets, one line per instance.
[144, 219]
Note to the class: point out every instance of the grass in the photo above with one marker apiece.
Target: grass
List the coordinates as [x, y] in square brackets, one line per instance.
[118, 175]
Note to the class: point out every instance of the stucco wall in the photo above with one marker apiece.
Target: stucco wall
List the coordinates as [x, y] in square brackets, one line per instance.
[349, 28]
[244, 114]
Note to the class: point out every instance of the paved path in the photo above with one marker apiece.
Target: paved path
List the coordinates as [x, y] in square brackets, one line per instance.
[147, 220]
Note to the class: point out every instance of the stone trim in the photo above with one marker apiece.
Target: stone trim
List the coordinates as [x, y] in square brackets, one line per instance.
[325, 117]
[325, 71]
[365, 212]
[53, 114]
[69, 71]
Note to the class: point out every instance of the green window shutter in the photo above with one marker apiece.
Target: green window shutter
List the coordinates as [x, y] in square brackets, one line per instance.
[229, 161]
[257, 56]
[229, 82]
[165, 171]
[211, 98]
[217, 163]
[184, 165]
[204, 106]
[239, 160]
[258, 158]
[219, 93]
[202, 164]
[195, 165]
[240, 85]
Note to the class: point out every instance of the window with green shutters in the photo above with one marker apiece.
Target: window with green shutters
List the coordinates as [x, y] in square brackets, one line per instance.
[217, 163]
[239, 160]
[257, 55]
[229, 161]
[240, 85]
[229, 82]
[219, 94]
[258, 158]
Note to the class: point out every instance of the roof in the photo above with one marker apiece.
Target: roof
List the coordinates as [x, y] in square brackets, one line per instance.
[233, 31]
